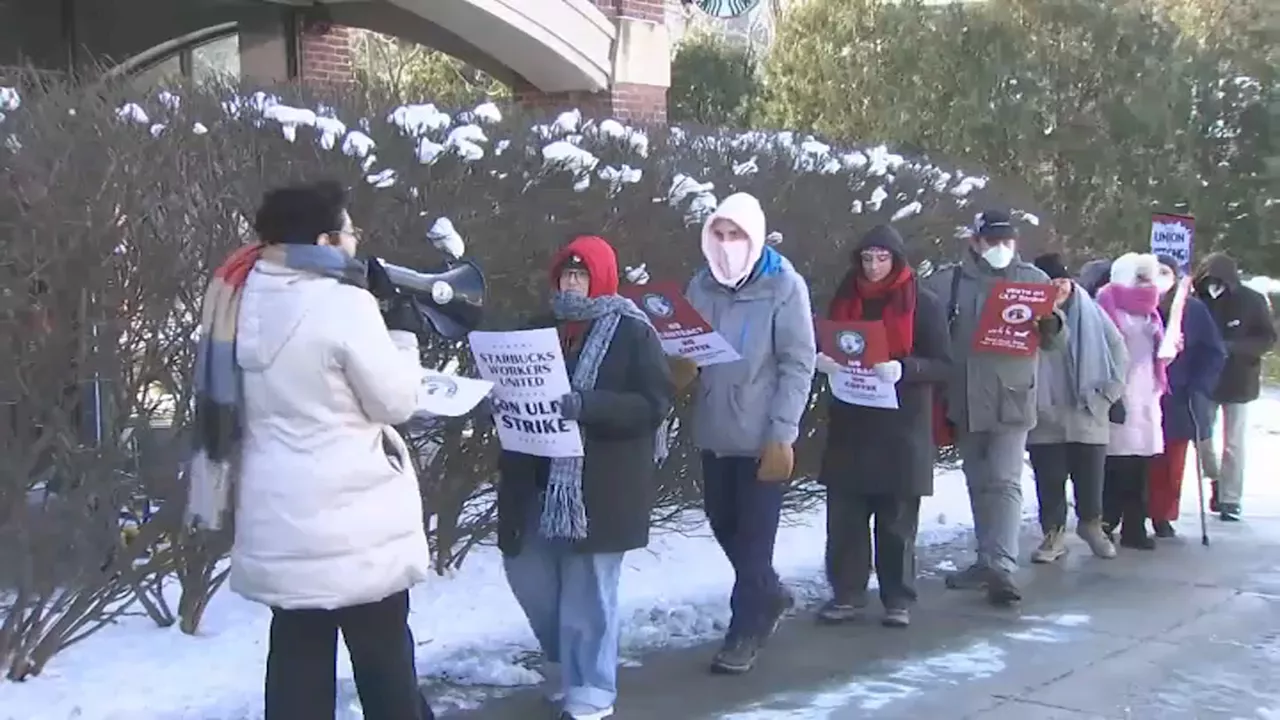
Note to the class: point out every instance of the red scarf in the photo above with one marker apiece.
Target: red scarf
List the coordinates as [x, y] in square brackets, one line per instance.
[898, 290]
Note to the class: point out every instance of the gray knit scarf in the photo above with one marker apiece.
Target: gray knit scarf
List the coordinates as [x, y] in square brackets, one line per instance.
[564, 511]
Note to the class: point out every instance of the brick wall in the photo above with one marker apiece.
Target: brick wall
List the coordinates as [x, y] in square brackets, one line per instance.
[639, 104]
[650, 10]
[324, 53]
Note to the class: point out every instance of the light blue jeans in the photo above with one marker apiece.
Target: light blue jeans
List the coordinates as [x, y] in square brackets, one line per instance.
[571, 600]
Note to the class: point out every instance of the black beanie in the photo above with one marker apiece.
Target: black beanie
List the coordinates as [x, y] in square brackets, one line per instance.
[1052, 265]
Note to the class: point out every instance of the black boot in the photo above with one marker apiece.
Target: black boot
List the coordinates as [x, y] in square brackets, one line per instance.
[1164, 529]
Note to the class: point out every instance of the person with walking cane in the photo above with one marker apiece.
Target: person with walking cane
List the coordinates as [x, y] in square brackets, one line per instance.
[1187, 407]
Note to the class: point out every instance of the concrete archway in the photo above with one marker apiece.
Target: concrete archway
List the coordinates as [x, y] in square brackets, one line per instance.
[610, 54]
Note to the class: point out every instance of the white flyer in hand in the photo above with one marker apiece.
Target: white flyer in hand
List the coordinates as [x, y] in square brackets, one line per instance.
[859, 386]
[450, 395]
[528, 374]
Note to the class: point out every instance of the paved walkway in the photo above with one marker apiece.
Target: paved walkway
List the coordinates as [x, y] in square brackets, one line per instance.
[1182, 632]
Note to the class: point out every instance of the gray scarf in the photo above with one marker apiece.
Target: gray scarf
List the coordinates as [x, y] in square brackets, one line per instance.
[564, 511]
[1091, 364]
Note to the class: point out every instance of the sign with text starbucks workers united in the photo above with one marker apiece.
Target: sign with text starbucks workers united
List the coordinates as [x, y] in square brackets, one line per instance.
[529, 377]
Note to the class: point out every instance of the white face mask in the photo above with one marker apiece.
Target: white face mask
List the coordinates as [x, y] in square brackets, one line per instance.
[735, 262]
[1215, 290]
[1164, 283]
[998, 256]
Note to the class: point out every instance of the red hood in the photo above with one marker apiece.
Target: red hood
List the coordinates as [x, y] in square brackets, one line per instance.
[601, 261]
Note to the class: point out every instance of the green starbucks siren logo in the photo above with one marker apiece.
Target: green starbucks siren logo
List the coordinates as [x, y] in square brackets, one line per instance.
[724, 9]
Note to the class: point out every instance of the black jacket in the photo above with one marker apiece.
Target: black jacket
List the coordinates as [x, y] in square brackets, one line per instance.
[1244, 320]
[619, 420]
[879, 451]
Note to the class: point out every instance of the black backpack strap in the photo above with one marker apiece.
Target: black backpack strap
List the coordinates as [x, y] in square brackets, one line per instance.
[953, 304]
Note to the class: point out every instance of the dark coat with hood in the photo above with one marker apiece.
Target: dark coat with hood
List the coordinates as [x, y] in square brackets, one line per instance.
[892, 452]
[1244, 319]
[619, 420]
[1193, 374]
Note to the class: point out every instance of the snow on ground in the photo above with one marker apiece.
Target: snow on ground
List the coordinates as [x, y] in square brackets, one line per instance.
[468, 626]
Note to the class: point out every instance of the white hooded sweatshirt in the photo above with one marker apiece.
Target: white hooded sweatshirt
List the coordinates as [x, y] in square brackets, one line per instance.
[732, 263]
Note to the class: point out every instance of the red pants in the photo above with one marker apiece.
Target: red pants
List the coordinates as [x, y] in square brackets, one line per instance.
[1164, 483]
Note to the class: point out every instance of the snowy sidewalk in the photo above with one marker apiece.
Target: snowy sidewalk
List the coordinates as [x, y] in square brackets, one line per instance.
[469, 628]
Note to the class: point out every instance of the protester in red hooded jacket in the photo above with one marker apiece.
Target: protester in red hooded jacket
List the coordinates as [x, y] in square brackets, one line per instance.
[564, 524]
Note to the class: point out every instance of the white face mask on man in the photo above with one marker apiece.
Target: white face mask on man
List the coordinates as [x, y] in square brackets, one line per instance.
[1215, 290]
[999, 255]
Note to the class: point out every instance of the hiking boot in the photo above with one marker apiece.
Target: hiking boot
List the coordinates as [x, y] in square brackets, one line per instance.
[1164, 529]
[1051, 548]
[836, 612]
[896, 618]
[783, 602]
[587, 713]
[1002, 590]
[1229, 512]
[973, 577]
[1213, 496]
[737, 656]
[1097, 539]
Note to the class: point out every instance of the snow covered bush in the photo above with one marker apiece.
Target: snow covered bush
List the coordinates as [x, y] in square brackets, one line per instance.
[116, 207]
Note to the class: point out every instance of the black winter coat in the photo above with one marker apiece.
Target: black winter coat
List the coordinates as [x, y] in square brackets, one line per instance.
[1243, 318]
[619, 420]
[880, 451]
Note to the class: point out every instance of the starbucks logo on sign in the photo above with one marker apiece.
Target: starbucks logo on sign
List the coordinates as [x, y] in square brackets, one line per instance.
[1016, 314]
[441, 386]
[851, 343]
[724, 9]
[658, 306]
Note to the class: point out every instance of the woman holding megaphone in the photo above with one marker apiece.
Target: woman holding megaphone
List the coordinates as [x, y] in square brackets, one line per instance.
[300, 379]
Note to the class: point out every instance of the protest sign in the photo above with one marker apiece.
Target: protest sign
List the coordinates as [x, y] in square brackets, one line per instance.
[850, 343]
[681, 329]
[448, 395]
[862, 386]
[1171, 344]
[528, 374]
[1174, 235]
[1007, 325]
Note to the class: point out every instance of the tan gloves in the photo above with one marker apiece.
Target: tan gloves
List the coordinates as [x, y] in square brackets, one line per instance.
[777, 462]
[683, 371]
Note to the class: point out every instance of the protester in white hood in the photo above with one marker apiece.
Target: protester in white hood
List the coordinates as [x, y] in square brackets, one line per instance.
[733, 239]
[748, 411]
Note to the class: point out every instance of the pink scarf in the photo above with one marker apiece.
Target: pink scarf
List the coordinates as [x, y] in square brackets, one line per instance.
[1139, 301]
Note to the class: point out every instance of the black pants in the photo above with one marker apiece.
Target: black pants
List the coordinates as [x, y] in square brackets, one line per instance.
[849, 546]
[301, 662]
[743, 513]
[1124, 494]
[1053, 464]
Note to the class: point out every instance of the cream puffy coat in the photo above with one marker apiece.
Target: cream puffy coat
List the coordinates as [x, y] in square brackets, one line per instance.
[328, 511]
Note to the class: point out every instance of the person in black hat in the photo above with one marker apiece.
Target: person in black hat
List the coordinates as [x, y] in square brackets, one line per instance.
[1078, 384]
[1243, 317]
[878, 462]
[990, 399]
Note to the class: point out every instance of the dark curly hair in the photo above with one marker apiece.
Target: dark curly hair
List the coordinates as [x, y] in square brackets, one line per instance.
[298, 214]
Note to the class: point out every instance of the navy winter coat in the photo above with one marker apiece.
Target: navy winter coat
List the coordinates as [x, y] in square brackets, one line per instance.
[1193, 375]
